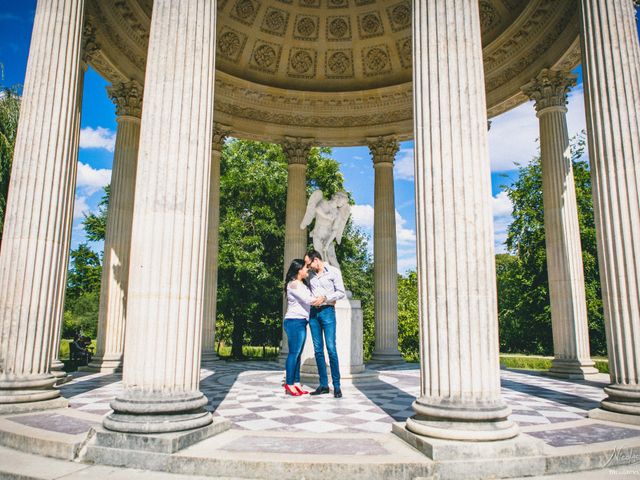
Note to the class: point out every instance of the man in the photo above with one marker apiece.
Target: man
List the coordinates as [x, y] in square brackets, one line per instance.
[326, 284]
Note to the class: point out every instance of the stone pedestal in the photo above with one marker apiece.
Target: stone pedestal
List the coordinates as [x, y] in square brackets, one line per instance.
[39, 213]
[611, 67]
[161, 374]
[562, 230]
[349, 343]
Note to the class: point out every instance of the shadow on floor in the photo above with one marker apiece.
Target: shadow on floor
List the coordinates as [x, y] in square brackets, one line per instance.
[560, 397]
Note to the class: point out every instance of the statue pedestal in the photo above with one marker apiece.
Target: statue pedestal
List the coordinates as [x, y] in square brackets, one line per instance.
[349, 343]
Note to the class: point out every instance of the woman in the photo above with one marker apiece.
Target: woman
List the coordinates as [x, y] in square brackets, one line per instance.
[299, 300]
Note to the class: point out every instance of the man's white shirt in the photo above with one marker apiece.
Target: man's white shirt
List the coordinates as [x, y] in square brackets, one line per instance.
[328, 283]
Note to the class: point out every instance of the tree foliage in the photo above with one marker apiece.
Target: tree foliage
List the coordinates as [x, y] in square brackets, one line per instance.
[9, 114]
[83, 292]
[523, 290]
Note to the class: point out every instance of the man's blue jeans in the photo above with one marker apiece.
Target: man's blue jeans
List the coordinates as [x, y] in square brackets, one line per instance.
[296, 329]
[323, 321]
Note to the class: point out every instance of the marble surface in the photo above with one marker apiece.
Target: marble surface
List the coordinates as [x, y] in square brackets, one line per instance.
[250, 395]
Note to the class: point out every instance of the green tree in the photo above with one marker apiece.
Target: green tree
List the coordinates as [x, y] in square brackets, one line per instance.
[83, 292]
[408, 325]
[523, 291]
[82, 297]
[9, 113]
[95, 224]
[253, 192]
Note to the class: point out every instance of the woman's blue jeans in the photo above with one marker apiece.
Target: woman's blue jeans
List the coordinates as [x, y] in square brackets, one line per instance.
[296, 329]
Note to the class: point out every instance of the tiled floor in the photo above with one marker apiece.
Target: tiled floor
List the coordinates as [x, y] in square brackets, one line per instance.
[250, 395]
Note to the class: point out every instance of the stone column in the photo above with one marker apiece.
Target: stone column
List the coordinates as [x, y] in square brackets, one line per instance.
[460, 373]
[88, 48]
[562, 231]
[295, 238]
[385, 255]
[209, 353]
[115, 266]
[37, 229]
[611, 67]
[161, 373]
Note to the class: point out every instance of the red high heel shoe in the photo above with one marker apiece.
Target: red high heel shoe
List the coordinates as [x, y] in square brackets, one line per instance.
[293, 391]
[300, 391]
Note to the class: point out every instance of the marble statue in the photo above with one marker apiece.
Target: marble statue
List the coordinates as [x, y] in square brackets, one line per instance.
[331, 218]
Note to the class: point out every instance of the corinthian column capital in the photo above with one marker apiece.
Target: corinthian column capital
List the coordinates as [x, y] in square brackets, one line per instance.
[383, 149]
[128, 98]
[220, 134]
[549, 89]
[297, 149]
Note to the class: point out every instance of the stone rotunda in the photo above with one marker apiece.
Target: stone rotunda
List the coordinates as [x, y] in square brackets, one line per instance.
[186, 74]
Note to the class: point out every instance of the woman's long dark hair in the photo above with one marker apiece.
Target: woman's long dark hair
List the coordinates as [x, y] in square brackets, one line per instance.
[296, 265]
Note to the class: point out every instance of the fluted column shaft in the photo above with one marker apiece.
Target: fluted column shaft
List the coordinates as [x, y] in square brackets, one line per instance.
[611, 66]
[460, 374]
[211, 282]
[169, 235]
[117, 243]
[562, 230]
[296, 151]
[385, 255]
[37, 229]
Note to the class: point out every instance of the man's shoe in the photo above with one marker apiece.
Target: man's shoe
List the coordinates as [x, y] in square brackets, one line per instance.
[337, 393]
[320, 391]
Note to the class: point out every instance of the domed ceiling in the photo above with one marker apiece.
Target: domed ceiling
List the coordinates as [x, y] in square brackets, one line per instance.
[337, 71]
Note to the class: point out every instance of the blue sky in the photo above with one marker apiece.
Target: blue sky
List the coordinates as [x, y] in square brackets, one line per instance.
[512, 139]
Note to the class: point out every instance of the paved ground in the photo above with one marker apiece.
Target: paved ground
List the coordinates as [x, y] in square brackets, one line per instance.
[250, 395]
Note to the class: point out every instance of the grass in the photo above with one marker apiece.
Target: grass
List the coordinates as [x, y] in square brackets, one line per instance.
[250, 352]
[536, 362]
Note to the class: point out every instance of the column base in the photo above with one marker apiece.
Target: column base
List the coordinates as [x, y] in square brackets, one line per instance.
[139, 411]
[601, 414]
[447, 450]
[104, 364]
[57, 370]
[387, 357]
[28, 393]
[159, 443]
[622, 399]
[465, 421]
[572, 369]
[209, 357]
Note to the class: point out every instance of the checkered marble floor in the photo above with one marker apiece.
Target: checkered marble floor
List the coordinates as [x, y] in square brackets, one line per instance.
[250, 395]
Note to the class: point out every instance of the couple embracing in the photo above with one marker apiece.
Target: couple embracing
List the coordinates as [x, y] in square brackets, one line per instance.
[313, 287]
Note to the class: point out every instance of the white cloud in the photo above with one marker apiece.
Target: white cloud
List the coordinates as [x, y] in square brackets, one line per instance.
[403, 168]
[513, 134]
[362, 216]
[406, 263]
[91, 180]
[80, 207]
[404, 235]
[502, 208]
[99, 137]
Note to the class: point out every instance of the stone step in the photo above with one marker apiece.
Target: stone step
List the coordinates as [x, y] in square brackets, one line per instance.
[267, 455]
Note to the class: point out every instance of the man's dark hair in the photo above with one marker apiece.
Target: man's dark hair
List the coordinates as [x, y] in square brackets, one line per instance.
[313, 254]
